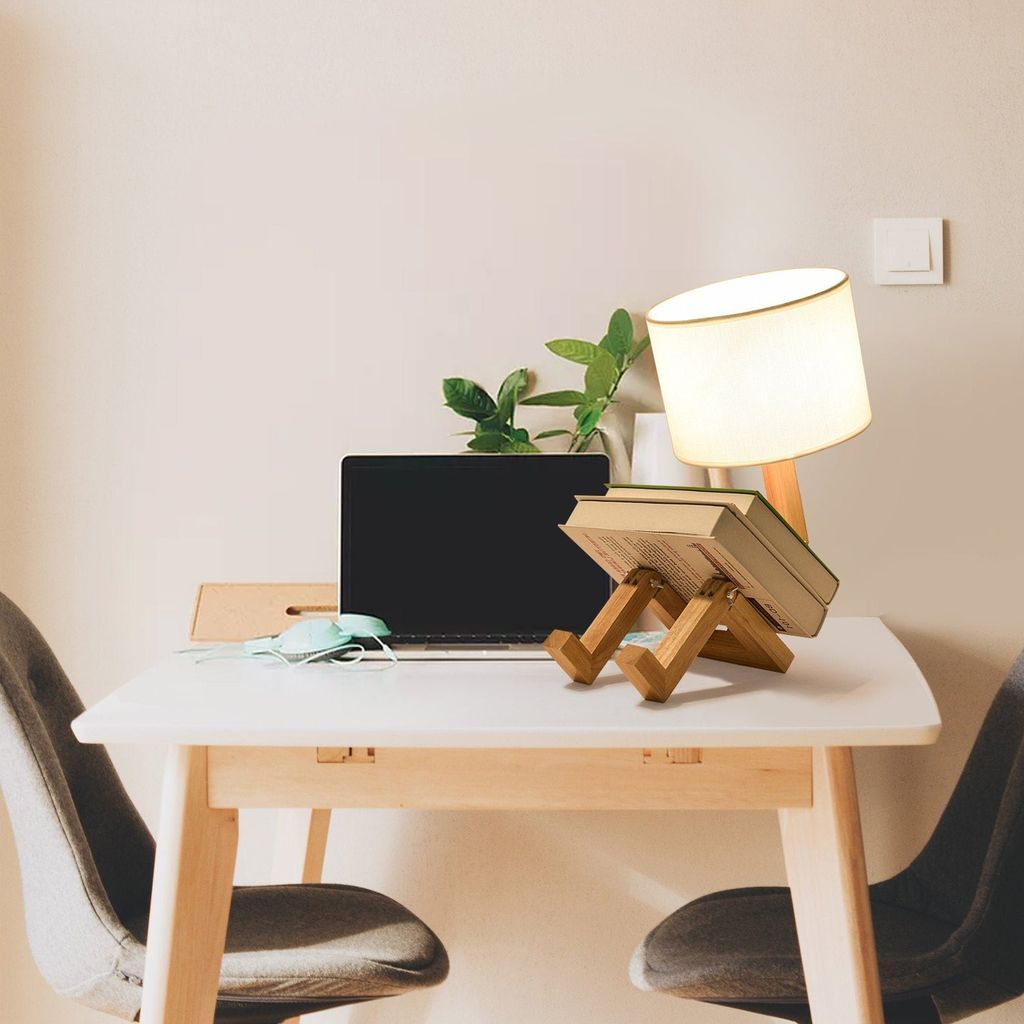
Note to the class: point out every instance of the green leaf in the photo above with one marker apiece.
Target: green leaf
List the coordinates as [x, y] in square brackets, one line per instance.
[508, 394]
[555, 398]
[487, 443]
[606, 345]
[519, 434]
[575, 351]
[467, 398]
[601, 375]
[552, 433]
[619, 338]
[587, 418]
[517, 447]
[492, 425]
[639, 349]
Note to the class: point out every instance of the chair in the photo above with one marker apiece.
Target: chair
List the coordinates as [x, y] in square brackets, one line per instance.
[949, 929]
[87, 867]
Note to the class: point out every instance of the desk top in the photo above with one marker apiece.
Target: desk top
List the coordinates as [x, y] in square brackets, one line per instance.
[853, 685]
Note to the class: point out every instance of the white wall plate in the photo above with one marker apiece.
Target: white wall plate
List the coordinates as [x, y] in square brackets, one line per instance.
[908, 250]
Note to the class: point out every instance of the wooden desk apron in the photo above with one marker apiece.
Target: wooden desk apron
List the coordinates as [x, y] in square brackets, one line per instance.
[511, 779]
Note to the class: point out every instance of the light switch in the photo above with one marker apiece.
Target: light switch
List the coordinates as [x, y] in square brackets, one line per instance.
[908, 251]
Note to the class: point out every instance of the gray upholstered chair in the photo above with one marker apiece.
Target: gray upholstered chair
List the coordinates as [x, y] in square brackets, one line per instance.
[949, 928]
[87, 866]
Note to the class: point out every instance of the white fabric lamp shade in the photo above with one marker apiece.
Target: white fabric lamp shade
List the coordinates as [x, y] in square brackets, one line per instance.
[760, 369]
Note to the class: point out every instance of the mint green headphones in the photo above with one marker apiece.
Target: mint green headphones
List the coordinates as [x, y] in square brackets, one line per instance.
[314, 640]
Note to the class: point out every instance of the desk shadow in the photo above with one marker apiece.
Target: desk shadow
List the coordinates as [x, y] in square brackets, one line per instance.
[681, 696]
[762, 681]
[737, 679]
[603, 680]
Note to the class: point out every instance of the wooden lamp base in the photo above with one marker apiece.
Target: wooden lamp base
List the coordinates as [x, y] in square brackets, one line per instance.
[694, 627]
[693, 631]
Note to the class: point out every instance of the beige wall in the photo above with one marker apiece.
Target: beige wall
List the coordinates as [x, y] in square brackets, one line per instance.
[240, 239]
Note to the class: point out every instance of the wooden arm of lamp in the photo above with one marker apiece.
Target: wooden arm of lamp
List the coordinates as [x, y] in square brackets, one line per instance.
[782, 489]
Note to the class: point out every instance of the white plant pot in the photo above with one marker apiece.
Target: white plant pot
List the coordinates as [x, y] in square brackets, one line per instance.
[654, 462]
[618, 456]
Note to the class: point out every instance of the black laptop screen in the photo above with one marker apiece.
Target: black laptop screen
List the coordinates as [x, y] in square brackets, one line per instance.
[448, 545]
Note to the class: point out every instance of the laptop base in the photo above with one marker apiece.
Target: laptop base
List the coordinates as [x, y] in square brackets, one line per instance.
[455, 652]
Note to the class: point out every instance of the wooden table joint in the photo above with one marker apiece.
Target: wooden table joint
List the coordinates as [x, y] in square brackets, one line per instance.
[674, 755]
[346, 755]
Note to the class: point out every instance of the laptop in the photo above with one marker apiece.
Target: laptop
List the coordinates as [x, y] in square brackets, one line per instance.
[461, 555]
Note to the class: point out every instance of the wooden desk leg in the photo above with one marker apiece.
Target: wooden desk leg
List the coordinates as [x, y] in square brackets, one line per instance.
[300, 845]
[188, 920]
[825, 863]
[299, 848]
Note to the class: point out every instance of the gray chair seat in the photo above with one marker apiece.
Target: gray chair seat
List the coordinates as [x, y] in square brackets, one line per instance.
[949, 928]
[317, 943]
[740, 945]
[87, 857]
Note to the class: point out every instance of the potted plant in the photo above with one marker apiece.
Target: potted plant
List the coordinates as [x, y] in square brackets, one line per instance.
[606, 362]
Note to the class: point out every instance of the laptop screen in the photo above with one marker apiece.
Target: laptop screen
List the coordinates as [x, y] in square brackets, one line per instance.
[468, 545]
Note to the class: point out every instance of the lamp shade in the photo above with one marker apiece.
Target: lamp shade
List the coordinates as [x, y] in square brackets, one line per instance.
[760, 369]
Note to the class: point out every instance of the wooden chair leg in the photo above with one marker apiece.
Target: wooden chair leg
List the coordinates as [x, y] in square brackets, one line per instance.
[188, 920]
[582, 659]
[656, 674]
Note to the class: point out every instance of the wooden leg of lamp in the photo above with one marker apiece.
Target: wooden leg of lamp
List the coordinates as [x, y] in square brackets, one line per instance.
[582, 659]
[825, 863]
[782, 489]
[693, 630]
[655, 674]
[667, 605]
[746, 639]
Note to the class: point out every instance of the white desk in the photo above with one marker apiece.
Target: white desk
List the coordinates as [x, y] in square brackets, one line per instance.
[516, 735]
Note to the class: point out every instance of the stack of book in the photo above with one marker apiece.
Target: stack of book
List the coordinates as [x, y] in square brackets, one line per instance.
[691, 534]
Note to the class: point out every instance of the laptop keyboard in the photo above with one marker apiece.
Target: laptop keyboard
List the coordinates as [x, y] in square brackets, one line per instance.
[467, 639]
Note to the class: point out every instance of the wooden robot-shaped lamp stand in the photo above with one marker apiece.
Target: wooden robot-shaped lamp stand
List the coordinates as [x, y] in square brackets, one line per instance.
[718, 622]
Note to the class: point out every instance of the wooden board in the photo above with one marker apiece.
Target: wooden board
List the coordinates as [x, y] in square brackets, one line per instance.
[230, 612]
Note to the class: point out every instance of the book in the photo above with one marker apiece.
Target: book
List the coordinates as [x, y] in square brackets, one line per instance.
[689, 543]
[776, 532]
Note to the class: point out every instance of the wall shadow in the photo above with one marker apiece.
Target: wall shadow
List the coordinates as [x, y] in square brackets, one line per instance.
[17, 289]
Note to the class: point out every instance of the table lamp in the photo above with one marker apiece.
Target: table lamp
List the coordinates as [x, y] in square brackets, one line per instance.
[760, 370]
